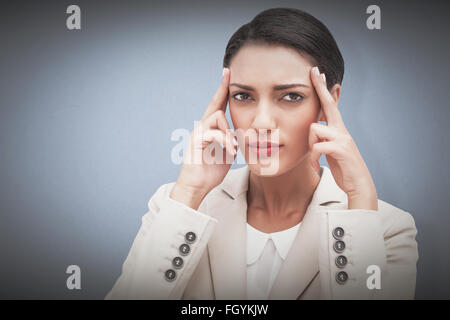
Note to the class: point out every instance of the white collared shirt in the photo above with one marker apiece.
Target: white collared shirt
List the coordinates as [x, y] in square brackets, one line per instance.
[265, 254]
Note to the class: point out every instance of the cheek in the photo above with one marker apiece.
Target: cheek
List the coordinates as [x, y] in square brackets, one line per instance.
[298, 131]
[239, 117]
[298, 126]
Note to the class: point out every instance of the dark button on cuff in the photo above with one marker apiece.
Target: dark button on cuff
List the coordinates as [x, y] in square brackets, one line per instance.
[170, 275]
[341, 277]
[184, 249]
[190, 237]
[338, 233]
[341, 261]
[339, 246]
[177, 262]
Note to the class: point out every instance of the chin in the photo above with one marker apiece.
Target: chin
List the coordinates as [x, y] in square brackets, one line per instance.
[276, 166]
[266, 168]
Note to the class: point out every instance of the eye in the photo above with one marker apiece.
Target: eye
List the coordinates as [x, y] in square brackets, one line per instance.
[242, 95]
[294, 97]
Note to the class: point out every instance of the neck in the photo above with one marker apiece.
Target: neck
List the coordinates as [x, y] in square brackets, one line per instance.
[284, 195]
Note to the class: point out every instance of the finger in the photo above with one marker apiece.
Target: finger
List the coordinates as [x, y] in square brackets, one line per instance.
[327, 147]
[327, 102]
[220, 98]
[319, 132]
[219, 137]
[218, 120]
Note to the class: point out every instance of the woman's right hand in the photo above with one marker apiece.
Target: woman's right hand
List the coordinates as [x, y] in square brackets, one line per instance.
[202, 170]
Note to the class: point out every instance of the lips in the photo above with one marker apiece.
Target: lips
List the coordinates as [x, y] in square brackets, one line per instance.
[264, 148]
[264, 145]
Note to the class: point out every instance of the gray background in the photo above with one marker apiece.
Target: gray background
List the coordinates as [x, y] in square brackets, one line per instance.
[86, 118]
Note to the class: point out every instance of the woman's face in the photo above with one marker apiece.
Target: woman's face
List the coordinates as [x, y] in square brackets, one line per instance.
[259, 109]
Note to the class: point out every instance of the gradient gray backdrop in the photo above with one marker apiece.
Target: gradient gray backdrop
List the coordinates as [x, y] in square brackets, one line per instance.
[86, 118]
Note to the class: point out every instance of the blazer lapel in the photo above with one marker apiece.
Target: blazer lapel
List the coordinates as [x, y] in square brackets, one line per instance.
[227, 246]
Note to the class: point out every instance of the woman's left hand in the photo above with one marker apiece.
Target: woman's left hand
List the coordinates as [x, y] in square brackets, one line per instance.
[346, 163]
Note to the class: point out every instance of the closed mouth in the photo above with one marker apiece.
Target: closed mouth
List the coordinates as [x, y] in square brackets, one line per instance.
[264, 145]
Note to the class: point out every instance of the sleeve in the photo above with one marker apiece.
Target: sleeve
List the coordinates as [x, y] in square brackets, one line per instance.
[359, 258]
[169, 230]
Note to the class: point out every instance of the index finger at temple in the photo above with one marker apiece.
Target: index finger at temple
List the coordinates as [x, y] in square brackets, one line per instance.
[327, 102]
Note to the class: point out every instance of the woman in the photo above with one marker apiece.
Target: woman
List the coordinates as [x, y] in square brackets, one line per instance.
[281, 227]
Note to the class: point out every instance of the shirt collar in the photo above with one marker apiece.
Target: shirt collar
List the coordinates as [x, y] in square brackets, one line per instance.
[256, 242]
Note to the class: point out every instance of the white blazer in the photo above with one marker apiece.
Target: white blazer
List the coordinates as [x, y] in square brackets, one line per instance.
[215, 234]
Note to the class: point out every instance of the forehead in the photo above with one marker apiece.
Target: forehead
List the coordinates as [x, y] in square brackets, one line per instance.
[266, 64]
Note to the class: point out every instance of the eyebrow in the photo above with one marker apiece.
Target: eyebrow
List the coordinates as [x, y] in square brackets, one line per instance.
[278, 87]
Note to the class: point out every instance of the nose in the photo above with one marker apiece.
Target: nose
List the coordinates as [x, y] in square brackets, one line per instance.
[264, 117]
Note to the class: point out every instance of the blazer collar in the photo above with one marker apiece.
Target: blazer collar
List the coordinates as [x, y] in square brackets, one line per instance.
[227, 246]
[236, 182]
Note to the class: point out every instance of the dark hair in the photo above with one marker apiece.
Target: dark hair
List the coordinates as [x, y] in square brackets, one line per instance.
[294, 28]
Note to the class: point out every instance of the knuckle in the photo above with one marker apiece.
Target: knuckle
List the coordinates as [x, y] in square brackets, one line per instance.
[220, 113]
[348, 139]
[209, 118]
[347, 142]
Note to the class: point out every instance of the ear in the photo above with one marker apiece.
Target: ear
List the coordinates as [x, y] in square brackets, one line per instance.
[335, 93]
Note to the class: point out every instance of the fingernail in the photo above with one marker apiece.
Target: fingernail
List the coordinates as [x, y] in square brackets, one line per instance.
[235, 141]
[323, 78]
[316, 70]
[221, 145]
[223, 72]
